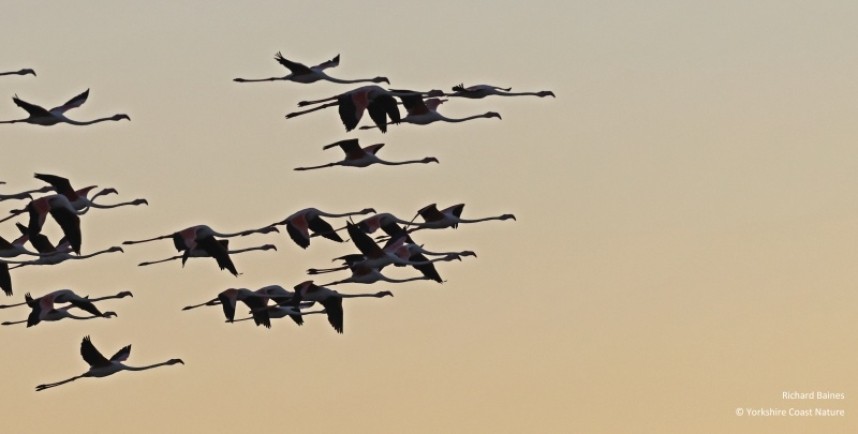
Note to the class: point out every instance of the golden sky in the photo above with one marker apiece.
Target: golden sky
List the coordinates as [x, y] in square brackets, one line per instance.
[686, 207]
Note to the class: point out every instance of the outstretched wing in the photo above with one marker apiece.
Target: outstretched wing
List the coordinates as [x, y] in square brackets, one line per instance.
[5, 279]
[363, 242]
[61, 185]
[380, 108]
[91, 355]
[348, 146]
[72, 103]
[323, 228]
[32, 109]
[86, 305]
[121, 355]
[70, 224]
[217, 251]
[295, 67]
[329, 64]
[430, 213]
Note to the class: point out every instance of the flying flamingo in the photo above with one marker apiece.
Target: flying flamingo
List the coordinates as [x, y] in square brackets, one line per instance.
[276, 293]
[201, 252]
[60, 208]
[255, 301]
[484, 90]
[377, 257]
[299, 225]
[99, 366]
[62, 253]
[331, 300]
[362, 157]
[369, 275]
[40, 116]
[43, 307]
[280, 311]
[24, 71]
[300, 73]
[64, 297]
[11, 250]
[424, 112]
[379, 102]
[449, 217]
[185, 238]
[78, 198]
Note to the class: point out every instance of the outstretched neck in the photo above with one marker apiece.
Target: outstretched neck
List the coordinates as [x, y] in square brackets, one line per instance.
[257, 80]
[143, 368]
[116, 205]
[342, 81]
[94, 121]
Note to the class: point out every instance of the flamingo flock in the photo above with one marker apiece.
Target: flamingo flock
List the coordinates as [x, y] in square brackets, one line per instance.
[62, 205]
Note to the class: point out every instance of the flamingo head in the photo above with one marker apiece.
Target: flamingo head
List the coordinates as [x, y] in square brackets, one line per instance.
[120, 116]
[175, 361]
[140, 202]
[383, 294]
[115, 249]
[26, 71]
[269, 247]
[429, 160]
[468, 253]
[493, 115]
[381, 80]
[367, 211]
[124, 294]
[506, 217]
[545, 93]
[269, 229]
[109, 314]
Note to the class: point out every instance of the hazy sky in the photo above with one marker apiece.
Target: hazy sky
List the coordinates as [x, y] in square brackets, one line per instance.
[685, 243]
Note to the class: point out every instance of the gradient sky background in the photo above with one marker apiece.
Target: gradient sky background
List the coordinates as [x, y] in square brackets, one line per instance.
[686, 233]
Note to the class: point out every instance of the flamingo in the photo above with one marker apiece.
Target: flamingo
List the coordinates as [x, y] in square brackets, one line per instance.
[424, 112]
[78, 198]
[61, 209]
[62, 253]
[16, 247]
[379, 102]
[65, 295]
[402, 246]
[300, 73]
[185, 238]
[378, 258]
[280, 311]
[369, 275]
[299, 225]
[484, 90]
[277, 293]
[99, 366]
[363, 157]
[201, 252]
[255, 301]
[43, 307]
[24, 71]
[449, 217]
[331, 300]
[283, 297]
[40, 116]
